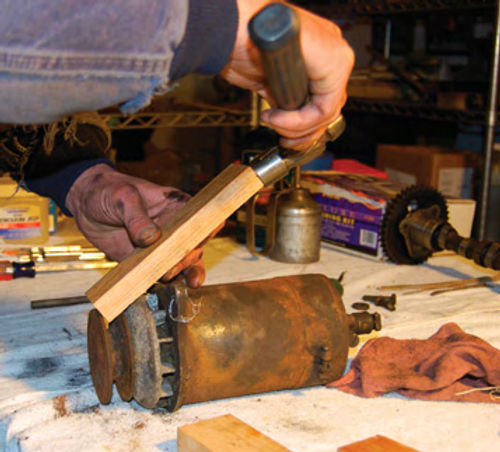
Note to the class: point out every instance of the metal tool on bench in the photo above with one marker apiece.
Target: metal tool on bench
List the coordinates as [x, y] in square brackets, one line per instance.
[58, 302]
[55, 253]
[30, 261]
[177, 345]
[415, 225]
[12, 270]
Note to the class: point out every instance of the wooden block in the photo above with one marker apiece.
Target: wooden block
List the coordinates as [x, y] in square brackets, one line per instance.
[203, 213]
[224, 434]
[377, 443]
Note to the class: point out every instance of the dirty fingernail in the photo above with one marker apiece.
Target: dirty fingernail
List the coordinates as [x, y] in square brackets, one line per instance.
[149, 235]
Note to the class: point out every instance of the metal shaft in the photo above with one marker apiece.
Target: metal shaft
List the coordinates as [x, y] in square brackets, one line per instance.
[484, 252]
[58, 302]
[490, 133]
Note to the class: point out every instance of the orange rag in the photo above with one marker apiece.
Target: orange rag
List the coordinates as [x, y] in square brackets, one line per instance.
[442, 367]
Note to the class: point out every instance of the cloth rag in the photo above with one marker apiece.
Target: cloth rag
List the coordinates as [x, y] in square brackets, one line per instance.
[449, 365]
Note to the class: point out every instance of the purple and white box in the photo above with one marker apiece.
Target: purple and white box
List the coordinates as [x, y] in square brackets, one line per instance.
[353, 207]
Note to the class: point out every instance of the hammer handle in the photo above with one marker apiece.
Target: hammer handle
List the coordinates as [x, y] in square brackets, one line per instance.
[275, 30]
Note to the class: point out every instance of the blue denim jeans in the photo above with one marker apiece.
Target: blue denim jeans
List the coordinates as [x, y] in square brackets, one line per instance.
[58, 57]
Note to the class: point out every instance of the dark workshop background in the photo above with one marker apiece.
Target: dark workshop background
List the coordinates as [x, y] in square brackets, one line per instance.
[422, 77]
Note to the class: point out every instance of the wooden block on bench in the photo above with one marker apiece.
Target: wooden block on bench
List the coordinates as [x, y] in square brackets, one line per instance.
[377, 443]
[224, 434]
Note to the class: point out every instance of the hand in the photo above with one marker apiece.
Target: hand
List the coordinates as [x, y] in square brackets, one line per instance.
[329, 61]
[118, 213]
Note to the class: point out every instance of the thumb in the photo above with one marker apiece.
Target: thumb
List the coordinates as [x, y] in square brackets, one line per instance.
[143, 231]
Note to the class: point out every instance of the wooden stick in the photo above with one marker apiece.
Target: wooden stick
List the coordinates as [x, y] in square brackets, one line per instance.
[224, 434]
[113, 293]
[440, 285]
[452, 289]
[454, 285]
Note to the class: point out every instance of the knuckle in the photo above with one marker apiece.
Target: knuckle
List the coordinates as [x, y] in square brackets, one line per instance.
[124, 192]
[349, 55]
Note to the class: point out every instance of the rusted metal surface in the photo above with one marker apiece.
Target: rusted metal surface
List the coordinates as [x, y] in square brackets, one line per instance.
[244, 338]
[360, 306]
[123, 369]
[262, 336]
[110, 357]
[100, 352]
[386, 301]
[146, 352]
[364, 322]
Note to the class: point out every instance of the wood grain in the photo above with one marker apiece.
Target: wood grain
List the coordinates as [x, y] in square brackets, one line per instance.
[203, 213]
[224, 434]
[377, 443]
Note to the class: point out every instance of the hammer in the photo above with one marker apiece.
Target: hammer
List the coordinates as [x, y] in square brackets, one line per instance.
[275, 31]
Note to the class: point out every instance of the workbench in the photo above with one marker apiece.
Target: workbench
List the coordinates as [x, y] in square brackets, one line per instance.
[47, 401]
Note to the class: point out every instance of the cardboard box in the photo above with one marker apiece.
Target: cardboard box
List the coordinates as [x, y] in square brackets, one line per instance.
[449, 171]
[461, 213]
[24, 216]
[354, 206]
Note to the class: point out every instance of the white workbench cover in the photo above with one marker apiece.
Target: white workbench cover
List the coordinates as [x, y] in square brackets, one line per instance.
[47, 402]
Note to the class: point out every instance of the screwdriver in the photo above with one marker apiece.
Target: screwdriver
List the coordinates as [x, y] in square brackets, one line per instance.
[54, 253]
[11, 270]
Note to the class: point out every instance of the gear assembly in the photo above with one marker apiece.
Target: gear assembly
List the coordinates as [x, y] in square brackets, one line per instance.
[416, 224]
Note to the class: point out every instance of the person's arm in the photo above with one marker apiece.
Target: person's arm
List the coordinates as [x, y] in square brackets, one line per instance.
[124, 52]
[329, 61]
[47, 159]
[60, 59]
[137, 56]
[116, 212]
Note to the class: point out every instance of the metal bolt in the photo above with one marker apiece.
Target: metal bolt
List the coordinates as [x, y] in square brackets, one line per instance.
[387, 302]
[364, 322]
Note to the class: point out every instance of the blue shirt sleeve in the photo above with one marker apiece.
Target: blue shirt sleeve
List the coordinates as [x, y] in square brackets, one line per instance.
[57, 185]
[205, 48]
[208, 39]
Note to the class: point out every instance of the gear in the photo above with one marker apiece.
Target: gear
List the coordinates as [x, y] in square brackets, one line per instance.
[407, 201]
[137, 353]
[147, 328]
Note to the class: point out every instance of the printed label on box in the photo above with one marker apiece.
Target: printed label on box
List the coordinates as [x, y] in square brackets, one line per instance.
[20, 222]
[353, 207]
[350, 224]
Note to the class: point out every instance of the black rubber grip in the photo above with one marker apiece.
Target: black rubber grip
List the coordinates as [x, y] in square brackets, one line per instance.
[24, 269]
[275, 30]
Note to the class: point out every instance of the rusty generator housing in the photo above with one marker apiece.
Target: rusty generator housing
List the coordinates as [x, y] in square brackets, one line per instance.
[176, 346]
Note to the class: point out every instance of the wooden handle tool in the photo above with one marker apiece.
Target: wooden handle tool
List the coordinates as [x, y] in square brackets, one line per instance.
[275, 30]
